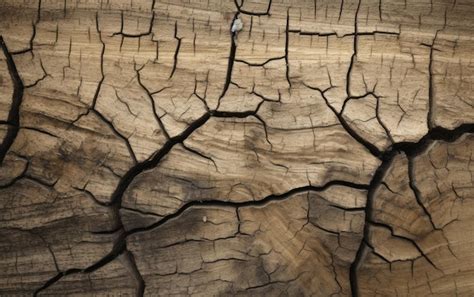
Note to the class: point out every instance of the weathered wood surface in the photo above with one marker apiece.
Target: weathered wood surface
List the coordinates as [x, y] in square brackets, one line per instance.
[328, 151]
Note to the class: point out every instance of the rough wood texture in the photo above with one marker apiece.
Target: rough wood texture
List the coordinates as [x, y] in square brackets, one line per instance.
[325, 150]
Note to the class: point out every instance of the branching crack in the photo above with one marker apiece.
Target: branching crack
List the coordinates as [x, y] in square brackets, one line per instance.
[411, 149]
[243, 11]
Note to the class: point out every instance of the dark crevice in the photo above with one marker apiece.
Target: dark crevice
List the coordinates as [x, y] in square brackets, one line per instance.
[341, 8]
[30, 47]
[38, 13]
[39, 130]
[275, 282]
[17, 97]
[45, 75]
[411, 241]
[152, 102]
[379, 120]
[124, 103]
[141, 212]
[307, 33]
[93, 109]
[131, 264]
[118, 249]
[350, 98]
[152, 162]
[102, 53]
[252, 203]
[204, 97]
[17, 178]
[334, 271]
[176, 53]
[68, 66]
[417, 193]
[373, 186]
[155, 159]
[372, 249]
[287, 40]
[138, 35]
[195, 152]
[369, 146]
[91, 195]
[51, 252]
[54, 279]
[250, 27]
[230, 63]
[411, 149]
[328, 34]
[40, 181]
[354, 54]
[431, 100]
[349, 209]
[377, 111]
[259, 64]
[117, 133]
[264, 98]
[243, 11]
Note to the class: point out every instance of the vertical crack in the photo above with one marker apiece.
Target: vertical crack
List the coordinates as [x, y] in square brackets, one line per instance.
[230, 63]
[287, 37]
[102, 53]
[341, 8]
[152, 102]
[380, 10]
[373, 187]
[417, 192]
[379, 120]
[14, 114]
[354, 54]
[133, 268]
[431, 100]
[38, 14]
[178, 46]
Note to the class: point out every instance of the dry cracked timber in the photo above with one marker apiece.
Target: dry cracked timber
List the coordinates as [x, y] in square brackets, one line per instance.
[327, 150]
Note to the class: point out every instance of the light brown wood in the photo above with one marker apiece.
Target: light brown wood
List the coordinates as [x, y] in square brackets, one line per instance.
[326, 149]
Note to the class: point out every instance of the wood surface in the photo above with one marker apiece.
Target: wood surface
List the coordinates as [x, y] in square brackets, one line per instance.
[325, 150]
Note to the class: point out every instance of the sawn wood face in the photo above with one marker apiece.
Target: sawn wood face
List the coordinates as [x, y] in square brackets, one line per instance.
[323, 149]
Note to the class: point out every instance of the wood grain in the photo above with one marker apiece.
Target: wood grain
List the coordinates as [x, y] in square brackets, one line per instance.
[325, 150]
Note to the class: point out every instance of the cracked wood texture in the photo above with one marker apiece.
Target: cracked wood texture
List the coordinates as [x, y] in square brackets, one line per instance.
[324, 150]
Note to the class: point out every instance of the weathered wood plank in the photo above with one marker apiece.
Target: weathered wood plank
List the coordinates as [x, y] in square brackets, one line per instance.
[326, 149]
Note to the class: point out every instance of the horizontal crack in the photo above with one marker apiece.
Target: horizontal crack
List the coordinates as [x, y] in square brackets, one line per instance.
[251, 203]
